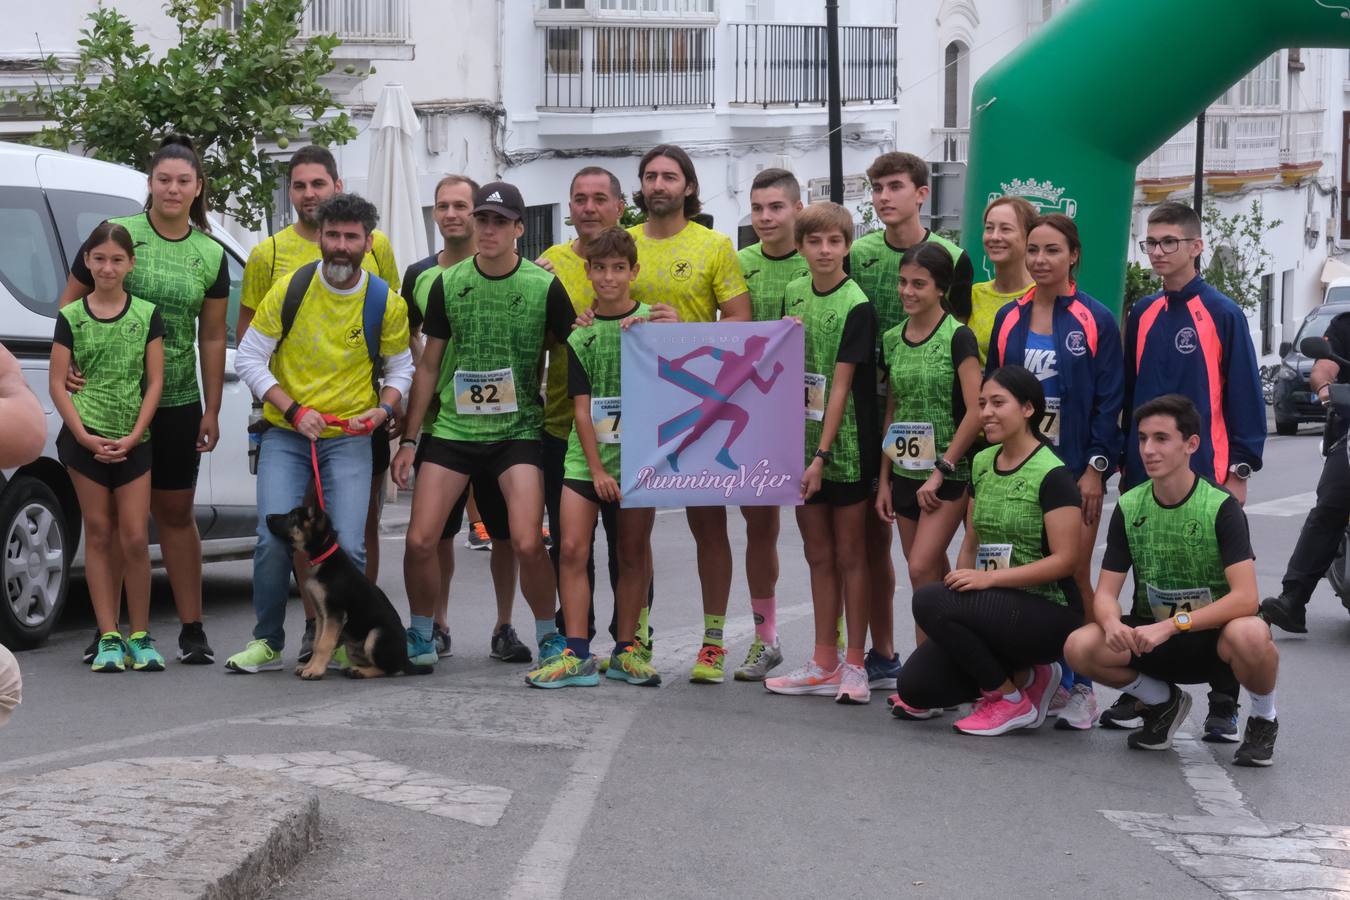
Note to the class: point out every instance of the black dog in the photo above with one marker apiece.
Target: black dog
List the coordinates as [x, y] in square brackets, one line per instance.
[346, 604]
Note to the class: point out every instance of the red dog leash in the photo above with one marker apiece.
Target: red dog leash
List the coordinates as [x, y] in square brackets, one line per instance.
[347, 428]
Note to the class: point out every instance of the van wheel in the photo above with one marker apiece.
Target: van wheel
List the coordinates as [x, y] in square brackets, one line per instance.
[36, 562]
[1286, 427]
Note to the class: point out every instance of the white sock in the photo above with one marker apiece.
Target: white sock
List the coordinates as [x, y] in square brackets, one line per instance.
[1014, 697]
[1263, 705]
[1148, 690]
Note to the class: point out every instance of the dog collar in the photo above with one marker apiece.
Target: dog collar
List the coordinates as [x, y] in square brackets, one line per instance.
[315, 560]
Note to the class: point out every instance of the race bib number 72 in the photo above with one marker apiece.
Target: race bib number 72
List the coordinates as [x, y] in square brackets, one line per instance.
[993, 556]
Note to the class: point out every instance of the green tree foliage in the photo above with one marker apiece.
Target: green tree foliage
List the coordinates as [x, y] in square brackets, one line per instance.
[1140, 282]
[1239, 255]
[228, 89]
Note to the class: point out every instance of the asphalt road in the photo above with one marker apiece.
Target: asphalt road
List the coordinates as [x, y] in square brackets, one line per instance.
[689, 789]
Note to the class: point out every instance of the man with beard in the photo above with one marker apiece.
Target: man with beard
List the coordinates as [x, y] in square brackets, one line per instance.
[695, 270]
[324, 367]
[313, 178]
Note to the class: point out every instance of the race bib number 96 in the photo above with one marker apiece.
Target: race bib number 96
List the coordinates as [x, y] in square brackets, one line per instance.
[1166, 604]
[910, 445]
[993, 556]
[485, 393]
[605, 415]
[815, 397]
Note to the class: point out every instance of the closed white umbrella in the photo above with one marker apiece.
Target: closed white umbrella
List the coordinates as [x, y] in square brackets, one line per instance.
[393, 175]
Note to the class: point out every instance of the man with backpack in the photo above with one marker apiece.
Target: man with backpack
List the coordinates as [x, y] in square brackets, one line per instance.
[316, 344]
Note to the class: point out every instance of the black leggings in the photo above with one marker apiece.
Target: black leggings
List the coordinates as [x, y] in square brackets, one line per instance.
[977, 639]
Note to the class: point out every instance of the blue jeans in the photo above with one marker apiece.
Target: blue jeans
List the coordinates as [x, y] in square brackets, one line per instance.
[284, 473]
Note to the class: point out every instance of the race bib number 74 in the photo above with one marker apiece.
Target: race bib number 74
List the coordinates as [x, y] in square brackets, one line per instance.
[1167, 603]
[485, 393]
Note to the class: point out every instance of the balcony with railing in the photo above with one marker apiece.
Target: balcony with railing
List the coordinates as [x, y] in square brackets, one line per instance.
[368, 29]
[953, 144]
[785, 65]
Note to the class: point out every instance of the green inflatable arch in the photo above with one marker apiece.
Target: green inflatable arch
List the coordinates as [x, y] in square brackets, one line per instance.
[1066, 119]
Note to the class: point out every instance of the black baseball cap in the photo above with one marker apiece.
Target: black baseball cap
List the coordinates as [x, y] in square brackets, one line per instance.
[501, 198]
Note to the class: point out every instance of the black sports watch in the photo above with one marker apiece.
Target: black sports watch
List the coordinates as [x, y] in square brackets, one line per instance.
[1099, 462]
[943, 466]
[826, 455]
[1241, 470]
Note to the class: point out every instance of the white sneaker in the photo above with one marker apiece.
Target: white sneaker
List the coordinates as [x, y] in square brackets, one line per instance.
[853, 687]
[760, 660]
[1080, 713]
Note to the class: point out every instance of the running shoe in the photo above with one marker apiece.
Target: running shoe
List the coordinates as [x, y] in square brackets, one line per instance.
[339, 660]
[552, 645]
[629, 666]
[507, 646]
[1060, 700]
[193, 650]
[1161, 721]
[111, 655]
[902, 710]
[478, 537]
[881, 672]
[421, 651]
[1123, 715]
[1080, 713]
[258, 656]
[839, 636]
[808, 678]
[142, 655]
[1286, 613]
[1221, 722]
[853, 687]
[644, 648]
[306, 643]
[92, 650]
[710, 666]
[565, 670]
[1258, 742]
[760, 660]
[440, 636]
[1044, 681]
[995, 714]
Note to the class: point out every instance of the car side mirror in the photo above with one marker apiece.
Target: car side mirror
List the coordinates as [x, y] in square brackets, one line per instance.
[1285, 347]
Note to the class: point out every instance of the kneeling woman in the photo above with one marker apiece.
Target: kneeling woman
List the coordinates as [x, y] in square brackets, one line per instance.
[996, 625]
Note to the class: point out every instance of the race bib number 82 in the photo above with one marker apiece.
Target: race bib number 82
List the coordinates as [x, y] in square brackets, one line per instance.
[485, 393]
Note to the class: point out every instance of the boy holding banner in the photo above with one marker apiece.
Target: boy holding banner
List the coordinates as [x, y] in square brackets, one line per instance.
[840, 332]
[590, 478]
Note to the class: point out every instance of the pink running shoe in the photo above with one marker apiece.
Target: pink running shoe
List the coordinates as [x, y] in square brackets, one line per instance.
[807, 678]
[1081, 712]
[902, 710]
[853, 687]
[994, 714]
[1060, 701]
[1044, 683]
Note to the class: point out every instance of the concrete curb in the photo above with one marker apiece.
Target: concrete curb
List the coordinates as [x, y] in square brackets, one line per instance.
[153, 829]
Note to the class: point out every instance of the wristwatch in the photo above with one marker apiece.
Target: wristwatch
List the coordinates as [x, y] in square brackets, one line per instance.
[1183, 621]
[1241, 470]
[943, 466]
[826, 455]
[1099, 462]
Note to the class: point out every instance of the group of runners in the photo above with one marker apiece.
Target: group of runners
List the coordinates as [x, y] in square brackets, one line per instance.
[932, 403]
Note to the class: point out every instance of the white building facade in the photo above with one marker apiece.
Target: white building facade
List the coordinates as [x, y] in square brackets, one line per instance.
[531, 90]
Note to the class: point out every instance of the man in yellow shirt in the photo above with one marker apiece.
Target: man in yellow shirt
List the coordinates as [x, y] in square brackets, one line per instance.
[324, 366]
[695, 270]
[313, 178]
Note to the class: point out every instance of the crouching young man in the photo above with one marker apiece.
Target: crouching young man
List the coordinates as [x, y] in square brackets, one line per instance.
[1195, 600]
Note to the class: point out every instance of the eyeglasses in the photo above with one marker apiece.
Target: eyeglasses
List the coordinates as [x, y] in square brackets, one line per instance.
[1167, 245]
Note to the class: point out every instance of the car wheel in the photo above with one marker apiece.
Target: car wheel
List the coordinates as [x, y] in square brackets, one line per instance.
[1286, 427]
[36, 560]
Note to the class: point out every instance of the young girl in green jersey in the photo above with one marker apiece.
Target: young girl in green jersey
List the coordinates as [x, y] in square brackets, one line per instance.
[590, 480]
[117, 341]
[932, 414]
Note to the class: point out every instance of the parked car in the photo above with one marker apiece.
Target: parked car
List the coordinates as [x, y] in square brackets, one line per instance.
[1295, 404]
[48, 202]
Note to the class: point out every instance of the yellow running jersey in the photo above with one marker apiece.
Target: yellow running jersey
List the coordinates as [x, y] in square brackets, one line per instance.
[985, 302]
[284, 252]
[695, 271]
[571, 271]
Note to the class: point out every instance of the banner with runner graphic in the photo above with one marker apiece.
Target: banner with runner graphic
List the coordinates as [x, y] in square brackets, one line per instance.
[713, 414]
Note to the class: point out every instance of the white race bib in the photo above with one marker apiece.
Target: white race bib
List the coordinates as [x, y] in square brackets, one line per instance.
[910, 445]
[485, 393]
[993, 556]
[1050, 422]
[1166, 604]
[815, 397]
[605, 413]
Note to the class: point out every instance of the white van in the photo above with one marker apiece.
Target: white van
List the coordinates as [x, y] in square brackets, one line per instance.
[49, 202]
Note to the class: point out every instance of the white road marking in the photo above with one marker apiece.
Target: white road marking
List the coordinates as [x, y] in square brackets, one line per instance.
[1284, 507]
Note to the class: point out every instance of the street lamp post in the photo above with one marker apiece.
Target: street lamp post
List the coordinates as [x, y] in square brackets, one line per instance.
[834, 101]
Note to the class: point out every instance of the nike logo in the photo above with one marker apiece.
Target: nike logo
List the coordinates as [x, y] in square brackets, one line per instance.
[1139, 522]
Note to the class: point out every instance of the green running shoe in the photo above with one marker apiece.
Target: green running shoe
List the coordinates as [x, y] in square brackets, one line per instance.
[111, 655]
[339, 659]
[565, 670]
[258, 656]
[710, 667]
[629, 666]
[142, 655]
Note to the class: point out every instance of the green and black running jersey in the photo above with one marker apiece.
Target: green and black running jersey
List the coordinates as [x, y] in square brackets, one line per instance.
[176, 276]
[1008, 513]
[1178, 553]
[875, 265]
[417, 282]
[593, 370]
[839, 327]
[111, 355]
[495, 330]
[767, 277]
[927, 389]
